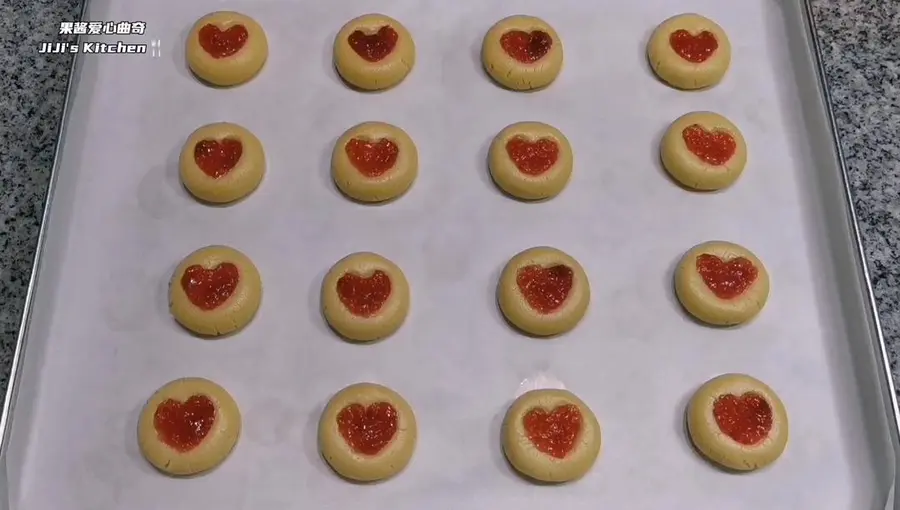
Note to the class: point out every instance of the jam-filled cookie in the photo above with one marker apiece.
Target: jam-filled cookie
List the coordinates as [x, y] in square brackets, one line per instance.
[551, 436]
[531, 160]
[721, 283]
[738, 422]
[703, 151]
[189, 426]
[226, 48]
[221, 163]
[374, 162]
[543, 291]
[689, 52]
[522, 53]
[367, 432]
[215, 291]
[374, 52]
[365, 297]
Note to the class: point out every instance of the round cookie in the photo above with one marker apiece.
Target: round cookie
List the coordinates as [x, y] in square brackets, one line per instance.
[531, 160]
[189, 426]
[721, 283]
[215, 291]
[522, 53]
[374, 162]
[374, 52]
[221, 163]
[551, 436]
[703, 151]
[738, 422]
[365, 297]
[543, 292]
[226, 48]
[367, 432]
[689, 52]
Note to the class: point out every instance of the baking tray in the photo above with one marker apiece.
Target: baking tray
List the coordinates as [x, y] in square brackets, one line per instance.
[97, 339]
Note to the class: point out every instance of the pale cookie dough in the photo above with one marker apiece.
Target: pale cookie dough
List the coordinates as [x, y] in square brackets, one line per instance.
[703, 151]
[374, 52]
[367, 433]
[721, 283]
[551, 436]
[738, 422]
[215, 291]
[522, 53]
[221, 163]
[689, 52]
[189, 426]
[531, 160]
[547, 278]
[226, 48]
[365, 297]
[374, 162]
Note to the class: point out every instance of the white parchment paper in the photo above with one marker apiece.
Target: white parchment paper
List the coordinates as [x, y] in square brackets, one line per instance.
[123, 222]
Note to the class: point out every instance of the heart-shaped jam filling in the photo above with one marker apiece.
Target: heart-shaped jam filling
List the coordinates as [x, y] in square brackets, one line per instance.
[694, 48]
[217, 157]
[368, 429]
[222, 43]
[545, 288]
[372, 158]
[364, 296]
[553, 433]
[374, 47]
[714, 147]
[532, 158]
[747, 418]
[727, 280]
[526, 47]
[209, 288]
[184, 425]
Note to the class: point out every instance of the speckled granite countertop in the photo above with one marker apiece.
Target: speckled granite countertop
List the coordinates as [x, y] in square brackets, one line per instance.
[862, 58]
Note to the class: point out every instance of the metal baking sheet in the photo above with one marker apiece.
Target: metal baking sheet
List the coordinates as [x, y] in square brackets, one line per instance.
[99, 340]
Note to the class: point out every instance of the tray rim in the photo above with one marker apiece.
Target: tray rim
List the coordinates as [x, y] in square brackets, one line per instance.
[856, 234]
[12, 387]
[892, 410]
